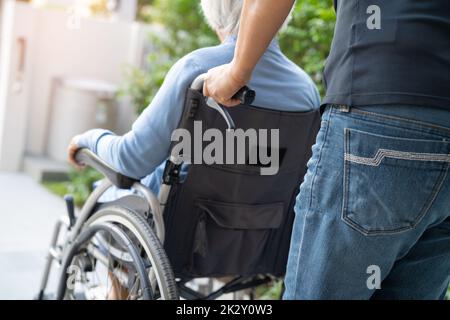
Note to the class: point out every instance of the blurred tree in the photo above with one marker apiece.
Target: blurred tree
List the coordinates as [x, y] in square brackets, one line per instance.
[184, 31]
[99, 7]
[308, 37]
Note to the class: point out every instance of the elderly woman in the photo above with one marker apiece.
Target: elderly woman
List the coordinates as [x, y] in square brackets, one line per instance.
[279, 84]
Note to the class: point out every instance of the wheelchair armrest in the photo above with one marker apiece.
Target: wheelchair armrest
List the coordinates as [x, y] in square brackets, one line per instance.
[86, 157]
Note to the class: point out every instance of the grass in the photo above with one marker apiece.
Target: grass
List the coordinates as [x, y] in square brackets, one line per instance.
[58, 188]
[61, 189]
[79, 185]
[271, 291]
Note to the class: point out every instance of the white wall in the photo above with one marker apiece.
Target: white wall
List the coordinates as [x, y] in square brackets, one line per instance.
[97, 50]
[17, 26]
[58, 44]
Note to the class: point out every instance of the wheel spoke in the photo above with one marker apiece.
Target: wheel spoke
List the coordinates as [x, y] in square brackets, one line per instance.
[120, 259]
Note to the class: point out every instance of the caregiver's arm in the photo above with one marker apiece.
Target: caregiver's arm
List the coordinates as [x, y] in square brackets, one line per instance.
[260, 21]
[138, 152]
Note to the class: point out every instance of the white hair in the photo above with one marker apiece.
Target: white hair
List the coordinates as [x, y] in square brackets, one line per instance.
[224, 15]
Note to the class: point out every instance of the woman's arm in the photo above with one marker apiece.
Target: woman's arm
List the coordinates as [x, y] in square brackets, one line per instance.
[260, 21]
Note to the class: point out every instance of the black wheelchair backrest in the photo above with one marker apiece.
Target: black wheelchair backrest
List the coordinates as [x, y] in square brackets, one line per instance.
[229, 219]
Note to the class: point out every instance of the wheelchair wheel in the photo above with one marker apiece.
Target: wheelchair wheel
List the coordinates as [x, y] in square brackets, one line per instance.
[116, 256]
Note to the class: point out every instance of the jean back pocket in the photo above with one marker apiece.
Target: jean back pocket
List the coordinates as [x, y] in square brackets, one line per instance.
[389, 182]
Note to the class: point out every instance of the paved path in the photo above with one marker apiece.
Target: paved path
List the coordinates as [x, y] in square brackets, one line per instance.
[27, 215]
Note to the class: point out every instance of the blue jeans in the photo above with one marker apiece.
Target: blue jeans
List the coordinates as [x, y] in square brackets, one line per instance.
[373, 213]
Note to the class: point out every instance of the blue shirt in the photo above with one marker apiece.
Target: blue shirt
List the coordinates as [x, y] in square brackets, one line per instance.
[278, 82]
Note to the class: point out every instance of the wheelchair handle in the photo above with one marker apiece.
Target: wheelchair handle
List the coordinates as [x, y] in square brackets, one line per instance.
[245, 95]
[87, 157]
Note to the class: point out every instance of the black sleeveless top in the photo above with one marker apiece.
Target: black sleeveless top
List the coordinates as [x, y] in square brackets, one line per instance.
[390, 52]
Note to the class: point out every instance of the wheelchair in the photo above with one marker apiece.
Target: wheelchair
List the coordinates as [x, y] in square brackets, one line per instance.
[224, 221]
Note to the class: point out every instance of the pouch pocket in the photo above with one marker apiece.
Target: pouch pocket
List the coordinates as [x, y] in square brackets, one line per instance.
[362, 36]
[230, 239]
[390, 183]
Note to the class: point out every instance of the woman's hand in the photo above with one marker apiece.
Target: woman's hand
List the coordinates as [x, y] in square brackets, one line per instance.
[223, 82]
[71, 152]
[260, 21]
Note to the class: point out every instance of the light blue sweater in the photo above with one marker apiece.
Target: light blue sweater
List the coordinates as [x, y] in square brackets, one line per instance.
[278, 82]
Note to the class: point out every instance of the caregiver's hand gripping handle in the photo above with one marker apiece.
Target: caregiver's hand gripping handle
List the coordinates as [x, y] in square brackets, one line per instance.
[245, 96]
